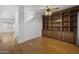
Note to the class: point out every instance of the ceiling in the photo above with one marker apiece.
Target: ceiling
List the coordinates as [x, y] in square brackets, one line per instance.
[40, 8]
[61, 7]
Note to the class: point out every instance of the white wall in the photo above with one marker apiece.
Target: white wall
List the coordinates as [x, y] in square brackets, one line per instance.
[32, 23]
[20, 24]
[28, 23]
[33, 28]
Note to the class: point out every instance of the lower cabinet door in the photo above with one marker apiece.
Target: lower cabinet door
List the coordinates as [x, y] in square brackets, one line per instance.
[70, 37]
[60, 35]
[49, 34]
[73, 37]
[45, 33]
[55, 35]
[66, 36]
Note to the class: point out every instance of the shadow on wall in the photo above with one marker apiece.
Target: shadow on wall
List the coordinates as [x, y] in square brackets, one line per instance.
[33, 27]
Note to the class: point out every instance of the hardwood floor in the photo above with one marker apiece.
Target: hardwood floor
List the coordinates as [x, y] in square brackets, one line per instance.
[40, 45]
[48, 45]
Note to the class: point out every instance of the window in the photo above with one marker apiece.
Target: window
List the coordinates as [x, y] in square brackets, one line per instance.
[4, 25]
[8, 25]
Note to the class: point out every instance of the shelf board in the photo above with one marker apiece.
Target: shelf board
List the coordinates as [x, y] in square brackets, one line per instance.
[73, 15]
[73, 21]
[55, 22]
[66, 21]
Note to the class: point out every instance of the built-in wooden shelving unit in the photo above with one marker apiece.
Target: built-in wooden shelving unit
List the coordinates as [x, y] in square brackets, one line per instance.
[62, 25]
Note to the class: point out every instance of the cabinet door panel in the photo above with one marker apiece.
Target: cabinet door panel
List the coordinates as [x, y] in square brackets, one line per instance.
[55, 35]
[49, 34]
[60, 35]
[45, 32]
[66, 36]
[73, 37]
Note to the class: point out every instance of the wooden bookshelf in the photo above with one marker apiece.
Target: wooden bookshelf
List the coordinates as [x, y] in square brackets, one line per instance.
[73, 20]
[56, 22]
[66, 21]
[45, 23]
[62, 25]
